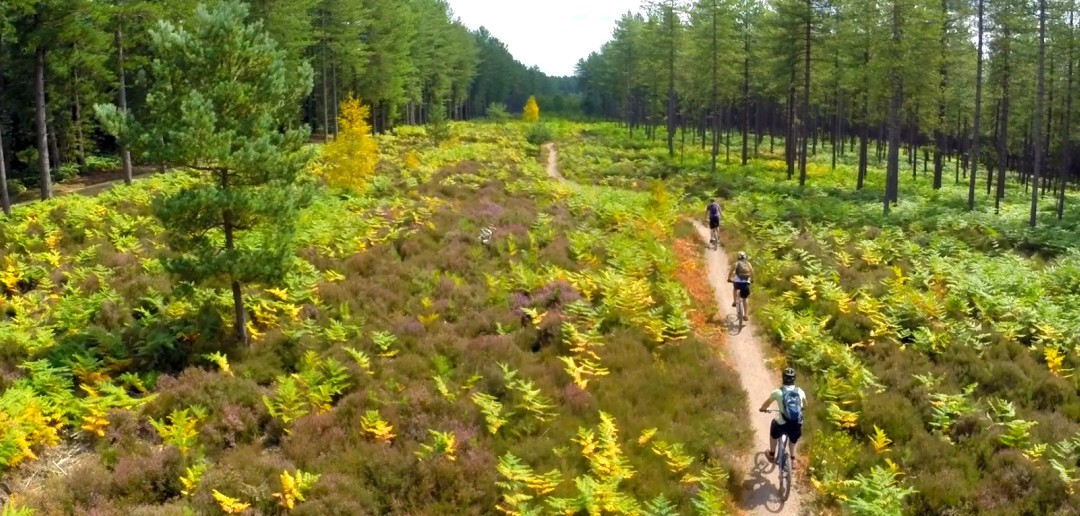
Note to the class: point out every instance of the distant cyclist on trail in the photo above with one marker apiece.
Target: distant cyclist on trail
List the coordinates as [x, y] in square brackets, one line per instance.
[712, 211]
[789, 421]
[739, 277]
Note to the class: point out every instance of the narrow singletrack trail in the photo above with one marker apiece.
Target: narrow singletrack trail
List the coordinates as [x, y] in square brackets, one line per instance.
[89, 190]
[552, 161]
[746, 354]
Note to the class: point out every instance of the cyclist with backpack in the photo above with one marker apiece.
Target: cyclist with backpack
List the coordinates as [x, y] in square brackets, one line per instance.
[789, 420]
[739, 277]
[712, 211]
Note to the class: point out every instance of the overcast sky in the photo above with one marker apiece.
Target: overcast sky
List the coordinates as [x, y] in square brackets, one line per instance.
[551, 34]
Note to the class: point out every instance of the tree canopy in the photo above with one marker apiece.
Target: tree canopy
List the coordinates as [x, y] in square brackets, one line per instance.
[889, 82]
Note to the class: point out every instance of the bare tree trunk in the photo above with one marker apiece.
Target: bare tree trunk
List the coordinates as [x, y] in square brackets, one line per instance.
[80, 146]
[961, 153]
[229, 225]
[325, 88]
[125, 154]
[1066, 138]
[337, 100]
[715, 86]
[4, 199]
[54, 145]
[1003, 132]
[772, 128]
[39, 117]
[837, 139]
[670, 15]
[865, 133]
[1040, 93]
[896, 103]
[1003, 123]
[789, 144]
[758, 135]
[729, 115]
[746, 95]
[629, 90]
[1046, 174]
[805, 122]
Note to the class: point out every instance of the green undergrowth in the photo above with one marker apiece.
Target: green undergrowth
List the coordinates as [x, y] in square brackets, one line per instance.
[411, 363]
[942, 343]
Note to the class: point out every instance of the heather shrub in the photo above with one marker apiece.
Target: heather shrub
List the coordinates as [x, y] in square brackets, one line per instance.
[539, 133]
[249, 473]
[891, 412]
[87, 483]
[197, 386]
[153, 477]
[427, 323]
[168, 509]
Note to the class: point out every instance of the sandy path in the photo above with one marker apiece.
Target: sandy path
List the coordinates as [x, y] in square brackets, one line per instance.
[745, 353]
[552, 162]
[91, 190]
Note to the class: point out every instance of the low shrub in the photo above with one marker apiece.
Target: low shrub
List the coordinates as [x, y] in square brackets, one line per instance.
[539, 133]
[95, 164]
[15, 187]
[496, 112]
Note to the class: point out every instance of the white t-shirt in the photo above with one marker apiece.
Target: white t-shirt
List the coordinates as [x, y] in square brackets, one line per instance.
[778, 397]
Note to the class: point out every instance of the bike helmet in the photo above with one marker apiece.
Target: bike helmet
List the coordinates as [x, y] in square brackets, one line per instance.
[789, 376]
[742, 255]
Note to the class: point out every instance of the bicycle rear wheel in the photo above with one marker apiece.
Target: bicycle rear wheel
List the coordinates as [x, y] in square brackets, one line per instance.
[740, 310]
[785, 471]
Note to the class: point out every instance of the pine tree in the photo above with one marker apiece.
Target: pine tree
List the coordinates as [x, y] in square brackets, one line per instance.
[389, 38]
[221, 90]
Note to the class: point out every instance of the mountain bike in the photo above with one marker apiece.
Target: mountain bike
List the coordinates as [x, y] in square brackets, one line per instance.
[783, 461]
[715, 240]
[740, 307]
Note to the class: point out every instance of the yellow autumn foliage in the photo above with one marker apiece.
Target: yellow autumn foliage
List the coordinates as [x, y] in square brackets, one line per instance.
[532, 110]
[349, 160]
[228, 504]
[294, 487]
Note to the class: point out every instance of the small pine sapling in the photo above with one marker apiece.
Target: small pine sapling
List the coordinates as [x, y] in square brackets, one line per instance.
[349, 160]
[532, 110]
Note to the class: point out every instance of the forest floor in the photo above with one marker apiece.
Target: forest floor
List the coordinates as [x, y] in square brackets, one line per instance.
[746, 353]
[90, 184]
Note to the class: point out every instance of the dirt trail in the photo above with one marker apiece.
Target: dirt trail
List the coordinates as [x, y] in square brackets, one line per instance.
[745, 353]
[90, 189]
[552, 162]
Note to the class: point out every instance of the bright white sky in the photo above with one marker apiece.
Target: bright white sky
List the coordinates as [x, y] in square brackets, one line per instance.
[551, 34]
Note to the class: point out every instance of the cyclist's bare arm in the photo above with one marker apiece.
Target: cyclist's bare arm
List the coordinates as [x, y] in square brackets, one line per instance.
[765, 406]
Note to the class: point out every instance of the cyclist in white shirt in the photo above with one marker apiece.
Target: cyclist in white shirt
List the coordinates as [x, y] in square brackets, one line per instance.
[788, 395]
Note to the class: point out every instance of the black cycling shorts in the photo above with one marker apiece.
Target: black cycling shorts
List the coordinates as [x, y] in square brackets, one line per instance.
[791, 429]
[744, 288]
[714, 223]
